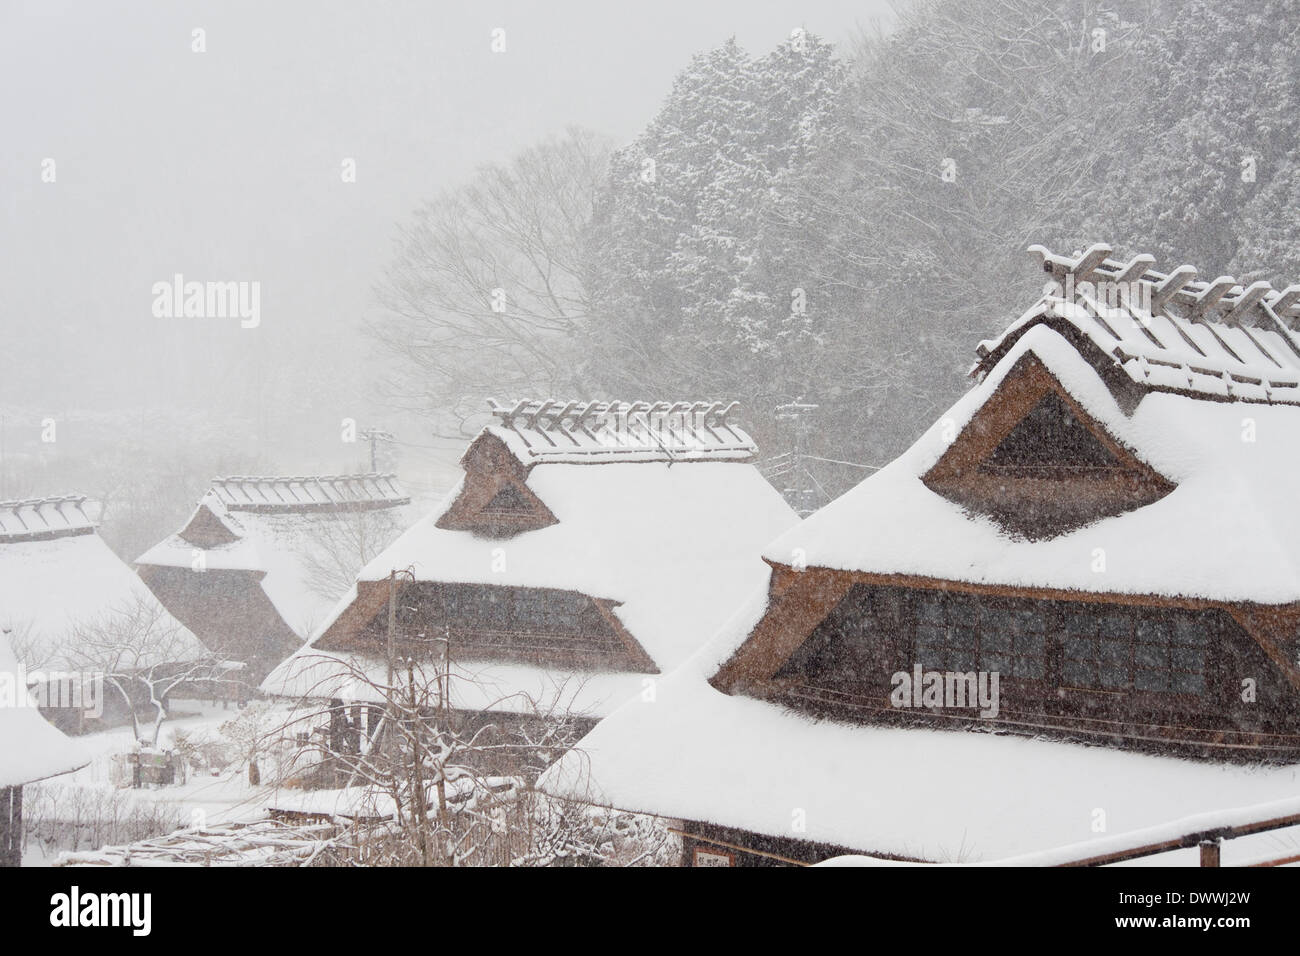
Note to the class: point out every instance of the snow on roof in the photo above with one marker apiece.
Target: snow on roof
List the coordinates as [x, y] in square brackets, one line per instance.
[37, 518]
[1227, 532]
[50, 586]
[550, 430]
[695, 753]
[1170, 331]
[311, 493]
[674, 544]
[496, 686]
[30, 748]
[295, 547]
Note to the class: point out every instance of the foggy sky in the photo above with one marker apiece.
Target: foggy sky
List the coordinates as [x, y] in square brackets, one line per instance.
[225, 165]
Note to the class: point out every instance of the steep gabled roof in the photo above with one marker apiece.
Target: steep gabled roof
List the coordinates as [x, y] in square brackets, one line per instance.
[1227, 532]
[57, 574]
[287, 531]
[30, 749]
[1035, 460]
[665, 537]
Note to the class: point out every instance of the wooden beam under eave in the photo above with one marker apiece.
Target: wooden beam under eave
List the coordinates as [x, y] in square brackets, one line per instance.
[1172, 283]
[372, 597]
[789, 619]
[1272, 628]
[640, 658]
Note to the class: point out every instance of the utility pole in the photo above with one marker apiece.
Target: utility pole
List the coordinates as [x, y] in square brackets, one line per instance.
[800, 496]
[374, 435]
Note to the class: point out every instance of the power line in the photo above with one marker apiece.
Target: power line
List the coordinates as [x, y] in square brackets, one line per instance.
[836, 461]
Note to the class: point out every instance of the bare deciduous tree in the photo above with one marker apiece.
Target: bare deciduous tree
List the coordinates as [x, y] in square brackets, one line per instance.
[487, 287]
[336, 547]
[431, 786]
[140, 651]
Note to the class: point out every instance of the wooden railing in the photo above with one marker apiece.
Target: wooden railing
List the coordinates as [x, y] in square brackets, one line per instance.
[1207, 831]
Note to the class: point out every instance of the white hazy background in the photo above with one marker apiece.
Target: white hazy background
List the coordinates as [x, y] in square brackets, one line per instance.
[225, 165]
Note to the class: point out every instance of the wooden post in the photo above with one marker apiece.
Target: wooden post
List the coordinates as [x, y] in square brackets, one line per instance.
[11, 820]
[392, 622]
[444, 691]
[419, 808]
[16, 825]
[1210, 853]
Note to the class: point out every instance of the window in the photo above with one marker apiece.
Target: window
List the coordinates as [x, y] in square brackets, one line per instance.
[1112, 649]
[470, 607]
[1013, 639]
[1101, 647]
[964, 632]
[508, 501]
[1061, 645]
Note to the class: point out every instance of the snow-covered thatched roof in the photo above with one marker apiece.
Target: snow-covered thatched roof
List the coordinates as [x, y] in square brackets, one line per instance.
[695, 753]
[1226, 532]
[298, 534]
[671, 539]
[54, 583]
[30, 749]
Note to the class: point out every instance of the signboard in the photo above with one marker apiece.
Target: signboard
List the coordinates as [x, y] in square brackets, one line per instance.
[714, 858]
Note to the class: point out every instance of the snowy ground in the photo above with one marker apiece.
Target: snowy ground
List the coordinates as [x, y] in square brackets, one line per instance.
[227, 797]
[205, 798]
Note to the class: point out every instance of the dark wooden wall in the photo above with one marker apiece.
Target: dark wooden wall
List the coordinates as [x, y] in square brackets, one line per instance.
[229, 612]
[845, 667]
[746, 848]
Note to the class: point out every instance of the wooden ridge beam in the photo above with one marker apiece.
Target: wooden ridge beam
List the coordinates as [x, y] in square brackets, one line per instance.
[1209, 297]
[1246, 301]
[1172, 283]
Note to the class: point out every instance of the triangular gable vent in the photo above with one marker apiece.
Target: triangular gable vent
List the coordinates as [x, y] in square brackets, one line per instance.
[1050, 440]
[508, 501]
[1036, 462]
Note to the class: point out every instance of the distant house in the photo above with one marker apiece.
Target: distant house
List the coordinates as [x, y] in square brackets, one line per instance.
[30, 750]
[589, 548]
[1096, 545]
[263, 561]
[62, 589]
